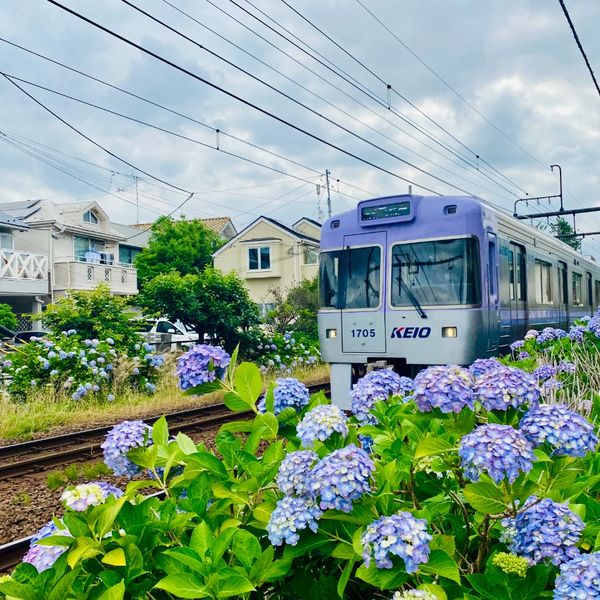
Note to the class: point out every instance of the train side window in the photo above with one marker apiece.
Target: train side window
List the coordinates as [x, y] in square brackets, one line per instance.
[329, 270]
[543, 286]
[492, 267]
[563, 288]
[576, 281]
[517, 275]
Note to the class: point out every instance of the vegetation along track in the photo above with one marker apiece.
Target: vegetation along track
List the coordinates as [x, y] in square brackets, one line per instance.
[44, 453]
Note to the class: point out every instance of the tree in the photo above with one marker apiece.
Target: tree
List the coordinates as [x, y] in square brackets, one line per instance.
[8, 318]
[296, 310]
[184, 246]
[93, 314]
[562, 229]
[211, 303]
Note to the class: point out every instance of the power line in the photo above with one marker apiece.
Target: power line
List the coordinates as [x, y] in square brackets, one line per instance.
[234, 96]
[585, 58]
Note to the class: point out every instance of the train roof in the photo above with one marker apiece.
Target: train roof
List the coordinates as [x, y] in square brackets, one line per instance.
[517, 230]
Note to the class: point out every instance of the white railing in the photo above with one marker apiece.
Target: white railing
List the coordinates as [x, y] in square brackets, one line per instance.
[79, 275]
[23, 265]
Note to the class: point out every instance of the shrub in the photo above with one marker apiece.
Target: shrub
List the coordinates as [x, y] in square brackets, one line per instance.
[447, 505]
[8, 318]
[282, 353]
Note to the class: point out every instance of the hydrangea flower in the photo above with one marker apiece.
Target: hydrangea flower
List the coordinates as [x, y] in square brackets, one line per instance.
[84, 495]
[523, 355]
[320, 423]
[290, 516]
[414, 595]
[566, 431]
[517, 344]
[400, 535]
[449, 388]
[201, 364]
[545, 372]
[531, 334]
[550, 333]
[341, 477]
[294, 472]
[375, 387]
[551, 384]
[594, 325]
[43, 557]
[579, 578]
[510, 563]
[501, 388]
[577, 333]
[483, 365]
[544, 529]
[498, 450]
[119, 440]
[566, 367]
[287, 392]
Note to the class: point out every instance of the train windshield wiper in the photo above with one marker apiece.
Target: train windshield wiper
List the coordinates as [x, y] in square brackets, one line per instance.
[412, 298]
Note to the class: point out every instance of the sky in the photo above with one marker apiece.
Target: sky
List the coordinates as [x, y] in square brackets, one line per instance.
[483, 98]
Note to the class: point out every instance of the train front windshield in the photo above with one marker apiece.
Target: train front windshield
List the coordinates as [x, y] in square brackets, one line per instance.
[436, 273]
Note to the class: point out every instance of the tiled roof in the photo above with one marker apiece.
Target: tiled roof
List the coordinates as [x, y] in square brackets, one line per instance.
[216, 224]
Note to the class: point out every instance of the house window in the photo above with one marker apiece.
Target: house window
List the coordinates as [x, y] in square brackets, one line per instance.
[311, 255]
[6, 240]
[107, 275]
[127, 254]
[85, 248]
[259, 258]
[577, 295]
[543, 288]
[90, 217]
[264, 308]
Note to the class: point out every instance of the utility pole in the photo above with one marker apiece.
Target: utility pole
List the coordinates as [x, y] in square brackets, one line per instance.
[560, 183]
[328, 193]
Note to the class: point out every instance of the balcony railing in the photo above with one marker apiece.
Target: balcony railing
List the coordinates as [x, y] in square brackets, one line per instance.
[23, 265]
[78, 275]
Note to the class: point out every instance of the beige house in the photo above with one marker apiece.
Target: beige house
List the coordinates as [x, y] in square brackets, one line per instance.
[269, 255]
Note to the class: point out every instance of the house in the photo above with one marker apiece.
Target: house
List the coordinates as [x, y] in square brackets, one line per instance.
[82, 246]
[221, 225]
[269, 255]
[23, 269]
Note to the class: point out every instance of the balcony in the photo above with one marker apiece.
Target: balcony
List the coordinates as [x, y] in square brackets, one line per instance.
[77, 275]
[23, 273]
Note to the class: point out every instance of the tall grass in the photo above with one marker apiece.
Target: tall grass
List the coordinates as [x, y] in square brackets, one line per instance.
[48, 411]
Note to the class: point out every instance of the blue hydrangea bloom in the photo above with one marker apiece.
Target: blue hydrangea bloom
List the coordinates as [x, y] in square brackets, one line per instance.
[366, 442]
[287, 392]
[550, 385]
[545, 372]
[544, 529]
[341, 477]
[577, 333]
[320, 423]
[498, 450]
[84, 495]
[523, 355]
[375, 387]
[483, 365]
[532, 334]
[594, 325]
[566, 367]
[43, 557]
[119, 440]
[290, 516]
[566, 431]
[449, 388]
[579, 579]
[550, 333]
[400, 535]
[201, 364]
[294, 472]
[517, 344]
[505, 387]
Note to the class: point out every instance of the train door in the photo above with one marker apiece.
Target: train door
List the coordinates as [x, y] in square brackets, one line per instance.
[493, 312]
[563, 295]
[363, 314]
[518, 290]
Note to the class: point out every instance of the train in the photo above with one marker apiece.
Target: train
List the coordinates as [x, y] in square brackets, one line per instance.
[410, 281]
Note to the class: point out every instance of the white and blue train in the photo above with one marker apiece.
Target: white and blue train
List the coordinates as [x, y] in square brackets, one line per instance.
[418, 280]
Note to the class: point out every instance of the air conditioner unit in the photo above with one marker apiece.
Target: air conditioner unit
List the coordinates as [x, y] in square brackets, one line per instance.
[107, 258]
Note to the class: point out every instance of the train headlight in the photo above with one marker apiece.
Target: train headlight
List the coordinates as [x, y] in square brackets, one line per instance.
[449, 332]
[331, 333]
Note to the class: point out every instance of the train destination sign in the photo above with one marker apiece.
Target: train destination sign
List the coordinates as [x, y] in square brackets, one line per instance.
[385, 211]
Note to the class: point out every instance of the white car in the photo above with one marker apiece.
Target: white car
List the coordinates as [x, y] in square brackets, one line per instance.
[179, 334]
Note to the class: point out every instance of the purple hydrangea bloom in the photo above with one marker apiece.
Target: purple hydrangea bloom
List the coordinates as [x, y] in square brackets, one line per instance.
[594, 325]
[400, 535]
[532, 334]
[201, 364]
[483, 365]
[577, 333]
[294, 472]
[545, 372]
[567, 432]
[498, 450]
[449, 388]
[290, 516]
[320, 423]
[550, 385]
[523, 355]
[84, 495]
[517, 344]
[119, 440]
[341, 477]
[288, 392]
[579, 579]
[375, 387]
[506, 387]
[43, 557]
[544, 529]
[567, 367]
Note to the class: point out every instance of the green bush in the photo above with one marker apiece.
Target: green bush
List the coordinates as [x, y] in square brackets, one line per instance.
[8, 318]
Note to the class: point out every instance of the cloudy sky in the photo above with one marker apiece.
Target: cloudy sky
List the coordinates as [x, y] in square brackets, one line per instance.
[484, 97]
